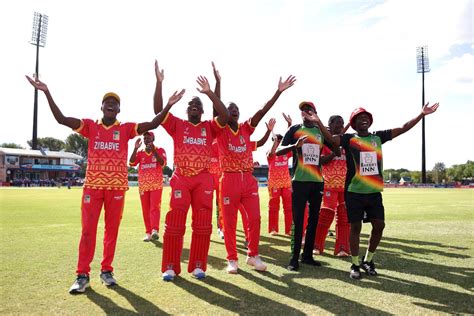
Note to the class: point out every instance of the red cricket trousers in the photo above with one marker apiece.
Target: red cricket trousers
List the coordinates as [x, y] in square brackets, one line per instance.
[333, 204]
[151, 209]
[219, 216]
[240, 188]
[274, 208]
[195, 191]
[91, 206]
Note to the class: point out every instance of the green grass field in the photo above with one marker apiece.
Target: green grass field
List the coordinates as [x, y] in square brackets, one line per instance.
[425, 263]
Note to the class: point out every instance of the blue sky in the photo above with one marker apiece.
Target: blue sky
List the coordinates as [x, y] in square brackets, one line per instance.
[344, 54]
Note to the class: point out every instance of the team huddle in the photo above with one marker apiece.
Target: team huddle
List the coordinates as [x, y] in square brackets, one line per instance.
[335, 174]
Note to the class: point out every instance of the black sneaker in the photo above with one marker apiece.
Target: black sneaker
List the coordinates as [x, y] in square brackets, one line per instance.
[310, 261]
[293, 265]
[80, 285]
[369, 267]
[107, 278]
[355, 272]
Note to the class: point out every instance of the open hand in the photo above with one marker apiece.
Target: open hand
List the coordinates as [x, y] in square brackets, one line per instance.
[287, 118]
[38, 84]
[282, 86]
[138, 143]
[176, 97]
[216, 72]
[204, 84]
[160, 74]
[301, 141]
[271, 124]
[429, 109]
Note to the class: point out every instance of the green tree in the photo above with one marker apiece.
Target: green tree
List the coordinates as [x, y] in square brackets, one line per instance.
[77, 144]
[416, 176]
[11, 145]
[439, 172]
[53, 144]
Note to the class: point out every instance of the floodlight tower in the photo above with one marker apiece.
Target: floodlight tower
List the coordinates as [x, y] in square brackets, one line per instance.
[422, 66]
[38, 38]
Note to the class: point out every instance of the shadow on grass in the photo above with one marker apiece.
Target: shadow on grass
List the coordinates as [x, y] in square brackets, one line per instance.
[237, 300]
[438, 298]
[141, 305]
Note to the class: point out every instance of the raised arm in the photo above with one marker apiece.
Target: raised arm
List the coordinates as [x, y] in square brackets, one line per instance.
[282, 86]
[217, 89]
[70, 122]
[283, 150]
[335, 140]
[133, 157]
[288, 119]
[408, 125]
[270, 126]
[158, 96]
[157, 120]
[159, 159]
[222, 113]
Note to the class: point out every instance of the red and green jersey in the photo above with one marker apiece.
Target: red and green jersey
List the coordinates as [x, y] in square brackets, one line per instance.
[107, 153]
[305, 159]
[150, 172]
[278, 172]
[334, 172]
[192, 144]
[364, 161]
[235, 148]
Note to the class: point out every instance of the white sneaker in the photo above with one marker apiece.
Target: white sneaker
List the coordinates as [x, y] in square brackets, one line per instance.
[199, 274]
[169, 275]
[220, 233]
[154, 234]
[257, 263]
[342, 253]
[147, 238]
[316, 252]
[232, 267]
[273, 233]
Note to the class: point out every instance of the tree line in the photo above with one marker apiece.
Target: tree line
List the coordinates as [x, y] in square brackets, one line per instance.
[77, 144]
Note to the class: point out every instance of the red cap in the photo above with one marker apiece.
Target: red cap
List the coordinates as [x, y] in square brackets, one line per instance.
[357, 112]
[311, 104]
[149, 133]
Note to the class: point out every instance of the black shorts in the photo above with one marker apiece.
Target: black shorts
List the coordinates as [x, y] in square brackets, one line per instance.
[364, 207]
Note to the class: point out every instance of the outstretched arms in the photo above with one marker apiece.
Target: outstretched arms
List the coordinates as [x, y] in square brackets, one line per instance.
[70, 122]
[222, 113]
[282, 86]
[408, 125]
[332, 139]
[158, 96]
[288, 119]
[146, 126]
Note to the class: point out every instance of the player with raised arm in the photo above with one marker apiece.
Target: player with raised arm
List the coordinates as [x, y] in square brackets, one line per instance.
[150, 162]
[106, 178]
[364, 179]
[238, 186]
[191, 183]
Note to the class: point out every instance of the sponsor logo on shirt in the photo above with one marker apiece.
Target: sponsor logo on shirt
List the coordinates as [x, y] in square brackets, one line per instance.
[177, 194]
[203, 131]
[281, 163]
[106, 146]
[116, 135]
[195, 141]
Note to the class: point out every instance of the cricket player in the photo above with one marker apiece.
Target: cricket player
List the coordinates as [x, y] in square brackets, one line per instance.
[106, 178]
[191, 183]
[150, 162]
[238, 186]
[364, 179]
